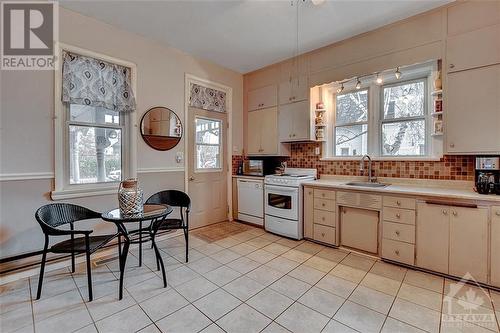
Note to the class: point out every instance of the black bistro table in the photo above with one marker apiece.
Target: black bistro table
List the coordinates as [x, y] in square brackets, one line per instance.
[153, 213]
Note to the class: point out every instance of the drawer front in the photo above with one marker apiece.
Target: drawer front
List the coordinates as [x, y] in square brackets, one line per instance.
[324, 194]
[399, 232]
[406, 203]
[399, 215]
[398, 251]
[324, 217]
[324, 234]
[324, 204]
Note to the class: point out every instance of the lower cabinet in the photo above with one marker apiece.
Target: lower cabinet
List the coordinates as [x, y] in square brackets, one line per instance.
[453, 240]
[495, 246]
[432, 237]
[320, 215]
[308, 212]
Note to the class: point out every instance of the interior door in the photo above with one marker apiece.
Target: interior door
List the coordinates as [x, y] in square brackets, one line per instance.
[207, 167]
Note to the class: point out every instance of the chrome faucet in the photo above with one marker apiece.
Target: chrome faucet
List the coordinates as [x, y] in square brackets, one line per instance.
[362, 168]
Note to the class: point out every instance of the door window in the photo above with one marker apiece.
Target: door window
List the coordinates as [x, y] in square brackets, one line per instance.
[208, 134]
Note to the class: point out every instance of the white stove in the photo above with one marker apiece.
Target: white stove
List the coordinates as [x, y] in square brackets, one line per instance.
[283, 201]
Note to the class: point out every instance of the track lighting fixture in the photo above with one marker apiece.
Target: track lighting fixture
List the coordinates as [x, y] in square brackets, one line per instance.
[397, 73]
[340, 89]
[358, 84]
[379, 79]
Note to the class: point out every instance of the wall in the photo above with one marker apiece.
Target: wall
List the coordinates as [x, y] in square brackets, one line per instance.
[26, 131]
[414, 40]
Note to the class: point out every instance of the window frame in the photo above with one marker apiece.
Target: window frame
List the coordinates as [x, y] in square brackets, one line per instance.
[434, 144]
[220, 145]
[62, 187]
[425, 116]
[367, 122]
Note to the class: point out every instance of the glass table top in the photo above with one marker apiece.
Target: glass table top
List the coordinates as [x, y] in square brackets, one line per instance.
[150, 212]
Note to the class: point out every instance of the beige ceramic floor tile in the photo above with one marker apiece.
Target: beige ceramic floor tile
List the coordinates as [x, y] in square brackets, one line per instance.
[395, 326]
[348, 273]
[290, 287]
[180, 276]
[265, 275]
[276, 248]
[185, 320]
[282, 264]
[421, 296]
[109, 305]
[261, 256]
[260, 242]
[380, 283]
[310, 247]
[336, 327]
[243, 288]
[222, 275]
[243, 249]
[424, 280]
[307, 274]
[358, 261]
[196, 289]
[469, 312]
[225, 256]
[468, 292]
[296, 255]
[162, 305]
[275, 328]
[360, 318]
[389, 271]
[372, 299]
[336, 285]
[146, 289]
[204, 265]
[416, 315]
[322, 301]
[243, 265]
[299, 318]
[129, 320]
[335, 255]
[243, 319]
[217, 304]
[321, 264]
[270, 302]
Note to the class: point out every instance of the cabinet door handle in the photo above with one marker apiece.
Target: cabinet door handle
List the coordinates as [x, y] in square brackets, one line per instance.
[452, 66]
[454, 213]
[398, 215]
[445, 212]
[323, 204]
[398, 203]
[452, 145]
[310, 193]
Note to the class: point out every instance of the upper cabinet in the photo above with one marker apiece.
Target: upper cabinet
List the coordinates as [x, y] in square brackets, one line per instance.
[473, 49]
[295, 122]
[471, 15]
[293, 90]
[263, 133]
[473, 111]
[262, 98]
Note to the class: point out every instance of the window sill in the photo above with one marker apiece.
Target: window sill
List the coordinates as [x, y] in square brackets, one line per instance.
[83, 192]
[383, 158]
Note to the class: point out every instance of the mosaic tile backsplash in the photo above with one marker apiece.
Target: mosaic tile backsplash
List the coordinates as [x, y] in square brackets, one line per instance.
[450, 167]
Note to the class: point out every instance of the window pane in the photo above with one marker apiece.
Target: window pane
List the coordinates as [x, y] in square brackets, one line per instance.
[351, 140]
[94, 154]
[94, 115]
[208, 143]
[207, 157]
[403, 138]
[406, 100]
[208, 131]
[352, 107]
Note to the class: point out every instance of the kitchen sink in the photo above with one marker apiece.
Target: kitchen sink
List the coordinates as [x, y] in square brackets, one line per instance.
[366, 184]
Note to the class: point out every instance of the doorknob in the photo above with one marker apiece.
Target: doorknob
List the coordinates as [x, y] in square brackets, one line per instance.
[191, 178]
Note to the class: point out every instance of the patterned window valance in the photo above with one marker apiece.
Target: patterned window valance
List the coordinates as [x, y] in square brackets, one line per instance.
[94, 82]
[207, 98]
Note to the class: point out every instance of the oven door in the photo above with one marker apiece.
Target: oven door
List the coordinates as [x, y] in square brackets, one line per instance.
[282, 201]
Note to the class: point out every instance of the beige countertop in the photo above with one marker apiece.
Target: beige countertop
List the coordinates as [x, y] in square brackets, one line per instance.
[249, 177]
[444, 190]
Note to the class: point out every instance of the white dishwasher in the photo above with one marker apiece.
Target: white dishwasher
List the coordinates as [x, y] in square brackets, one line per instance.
[251, 200]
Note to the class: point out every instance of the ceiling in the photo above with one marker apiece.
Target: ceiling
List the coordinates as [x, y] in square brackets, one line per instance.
[245, 35]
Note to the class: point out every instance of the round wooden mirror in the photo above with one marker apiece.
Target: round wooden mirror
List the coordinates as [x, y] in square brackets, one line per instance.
[161, 128]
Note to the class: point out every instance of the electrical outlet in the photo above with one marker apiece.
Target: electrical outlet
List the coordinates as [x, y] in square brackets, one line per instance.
[317, 151]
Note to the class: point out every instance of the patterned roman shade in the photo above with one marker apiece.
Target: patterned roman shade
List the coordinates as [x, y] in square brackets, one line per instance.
[207, 98]
[89, 81]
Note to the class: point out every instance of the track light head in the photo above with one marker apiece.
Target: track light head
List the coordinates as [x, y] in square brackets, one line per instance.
[358, 84]
[340, 89]
[397, 73]
[379, 79]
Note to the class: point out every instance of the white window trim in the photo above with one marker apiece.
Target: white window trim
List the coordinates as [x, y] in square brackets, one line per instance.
[62, 189]
[221, 148]
[434, 144]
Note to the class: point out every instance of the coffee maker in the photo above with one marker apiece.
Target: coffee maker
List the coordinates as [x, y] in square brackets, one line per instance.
[487, 175]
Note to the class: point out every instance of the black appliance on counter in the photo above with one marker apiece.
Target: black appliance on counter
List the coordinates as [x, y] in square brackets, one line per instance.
[487, 175]
[260, 166]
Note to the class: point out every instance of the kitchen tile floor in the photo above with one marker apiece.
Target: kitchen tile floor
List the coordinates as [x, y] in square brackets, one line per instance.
[242, 279]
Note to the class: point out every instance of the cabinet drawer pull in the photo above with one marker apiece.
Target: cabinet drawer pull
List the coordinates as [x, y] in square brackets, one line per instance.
[398, 215]
[452, 66]
[454, 213]
[323, 204]
[398, 203]
[396, 252]
[445, 212]
[322, 234]
[323, 218]
[397, 232]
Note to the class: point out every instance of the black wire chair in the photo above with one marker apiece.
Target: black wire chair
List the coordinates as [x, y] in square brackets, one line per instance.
[52, 216]
[172, 198]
